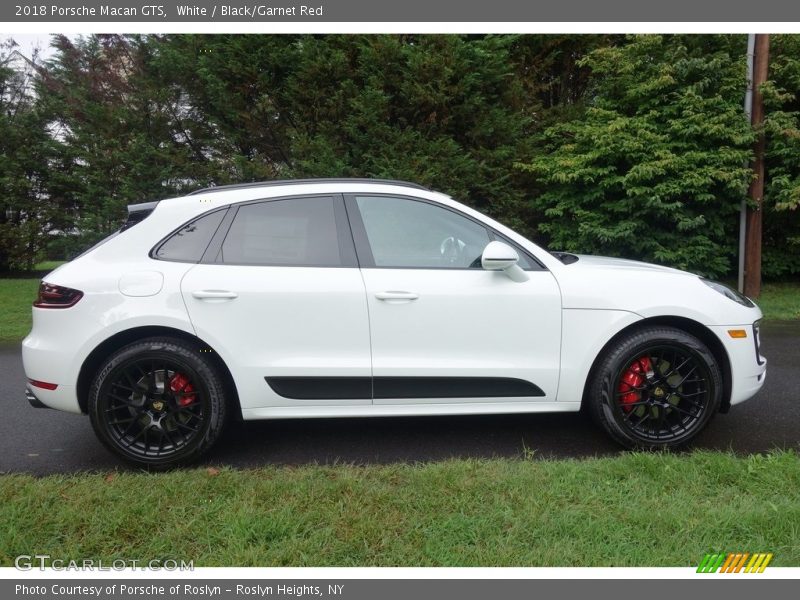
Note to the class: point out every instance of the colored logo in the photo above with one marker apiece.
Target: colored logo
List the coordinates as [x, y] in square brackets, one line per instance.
[735, 562]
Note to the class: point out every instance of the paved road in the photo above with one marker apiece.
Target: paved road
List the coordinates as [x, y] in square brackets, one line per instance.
[47, 441]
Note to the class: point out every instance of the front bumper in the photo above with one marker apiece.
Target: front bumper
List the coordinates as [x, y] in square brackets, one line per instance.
[748, 367]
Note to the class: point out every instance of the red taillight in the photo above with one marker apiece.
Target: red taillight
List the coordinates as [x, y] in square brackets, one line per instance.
[56, 296]
[42, 384]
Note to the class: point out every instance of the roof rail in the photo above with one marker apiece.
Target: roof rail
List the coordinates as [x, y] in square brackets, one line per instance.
[238, 186]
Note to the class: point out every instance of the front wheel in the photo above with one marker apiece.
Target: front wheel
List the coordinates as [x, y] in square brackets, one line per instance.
[157, 403]
[656, 387]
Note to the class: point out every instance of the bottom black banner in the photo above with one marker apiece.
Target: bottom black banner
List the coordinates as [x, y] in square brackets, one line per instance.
[731, 588]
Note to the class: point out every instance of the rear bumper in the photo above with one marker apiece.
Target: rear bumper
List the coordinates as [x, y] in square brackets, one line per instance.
[33, 400]
[45, 363]
[62, 398]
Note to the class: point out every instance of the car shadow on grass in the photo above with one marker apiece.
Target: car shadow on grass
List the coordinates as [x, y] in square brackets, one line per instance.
[410, 439]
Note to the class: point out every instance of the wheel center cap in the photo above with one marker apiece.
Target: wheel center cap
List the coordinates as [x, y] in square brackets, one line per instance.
[158, 405]
[658, 392]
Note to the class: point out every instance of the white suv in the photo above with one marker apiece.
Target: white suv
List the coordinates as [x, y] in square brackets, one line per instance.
[345, 298]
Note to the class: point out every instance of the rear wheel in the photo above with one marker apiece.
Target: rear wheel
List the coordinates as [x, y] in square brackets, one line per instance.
[655, 388]
[157, 403]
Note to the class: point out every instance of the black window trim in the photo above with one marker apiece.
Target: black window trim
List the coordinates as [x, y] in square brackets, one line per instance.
[344, 237]
[354, 246]
[154, 250]
[364, 251]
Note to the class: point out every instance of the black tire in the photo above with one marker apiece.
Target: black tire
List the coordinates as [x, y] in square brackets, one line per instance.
[158, 403]
[655, 388]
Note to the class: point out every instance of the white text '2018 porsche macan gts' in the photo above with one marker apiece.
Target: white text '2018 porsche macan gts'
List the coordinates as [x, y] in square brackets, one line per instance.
[367, 298]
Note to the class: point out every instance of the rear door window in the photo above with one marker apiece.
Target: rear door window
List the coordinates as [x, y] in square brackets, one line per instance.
[292, 232]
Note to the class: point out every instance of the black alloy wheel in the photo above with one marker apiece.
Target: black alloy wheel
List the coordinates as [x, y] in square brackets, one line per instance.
[157, 403]
[656, 388]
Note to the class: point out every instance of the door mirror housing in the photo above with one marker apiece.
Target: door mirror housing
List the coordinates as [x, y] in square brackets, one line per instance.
[498, 256]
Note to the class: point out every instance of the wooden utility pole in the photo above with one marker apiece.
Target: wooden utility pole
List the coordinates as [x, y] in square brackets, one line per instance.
[752, 254]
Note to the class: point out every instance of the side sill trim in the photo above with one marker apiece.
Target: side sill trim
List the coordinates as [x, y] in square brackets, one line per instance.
[307, 411]
[322, 388]
[385, 388]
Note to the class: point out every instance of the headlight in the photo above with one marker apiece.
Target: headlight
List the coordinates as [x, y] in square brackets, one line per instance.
[729, 293]
[757, 339]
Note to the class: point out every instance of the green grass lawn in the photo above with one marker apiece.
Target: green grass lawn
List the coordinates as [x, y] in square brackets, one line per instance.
[780, 300]
[631, 510]
[47, 265]
[16, 297]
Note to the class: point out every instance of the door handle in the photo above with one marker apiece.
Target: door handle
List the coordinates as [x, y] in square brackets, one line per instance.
[392, 295]
[214, 295]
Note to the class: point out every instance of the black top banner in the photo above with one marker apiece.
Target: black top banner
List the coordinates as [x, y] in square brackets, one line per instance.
[443, 11]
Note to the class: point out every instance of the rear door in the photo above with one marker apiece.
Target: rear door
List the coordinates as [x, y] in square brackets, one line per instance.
[279, 293]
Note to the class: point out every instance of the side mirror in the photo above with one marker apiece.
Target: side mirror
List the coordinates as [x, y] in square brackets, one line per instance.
[498, 256]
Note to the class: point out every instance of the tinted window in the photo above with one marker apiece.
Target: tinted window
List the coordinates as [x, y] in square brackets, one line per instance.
[191, 240]
[412, 234]
[292, 232]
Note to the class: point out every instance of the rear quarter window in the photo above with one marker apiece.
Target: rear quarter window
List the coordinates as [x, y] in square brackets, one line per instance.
[188, 243]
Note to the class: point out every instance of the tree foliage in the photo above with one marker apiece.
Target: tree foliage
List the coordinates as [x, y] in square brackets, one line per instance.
[115, 128]
[656, 166]
[618, 145]
[782, 181]
[445, 111]
[28, 210]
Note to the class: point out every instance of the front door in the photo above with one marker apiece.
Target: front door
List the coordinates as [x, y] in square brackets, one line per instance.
[444, 330]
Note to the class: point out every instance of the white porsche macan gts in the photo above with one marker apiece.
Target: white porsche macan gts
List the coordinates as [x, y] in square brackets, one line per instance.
[367, 298]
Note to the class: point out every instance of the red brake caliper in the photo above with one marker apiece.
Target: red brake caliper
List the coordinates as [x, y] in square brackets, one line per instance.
[179, 384]
[633, 378]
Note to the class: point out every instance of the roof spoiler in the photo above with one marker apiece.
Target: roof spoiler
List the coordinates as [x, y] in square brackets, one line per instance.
[137, 213]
